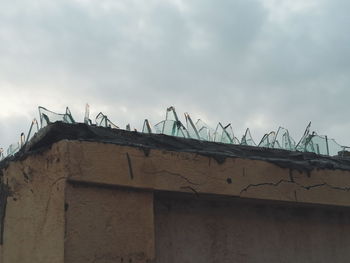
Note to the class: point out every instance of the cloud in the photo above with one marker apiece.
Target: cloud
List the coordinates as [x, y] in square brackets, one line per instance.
[261, 63]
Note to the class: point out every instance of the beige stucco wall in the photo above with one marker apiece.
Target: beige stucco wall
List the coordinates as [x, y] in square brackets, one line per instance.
[93, 202]
[225, 231]
[34, 222]
[189, 172]
[106, 225]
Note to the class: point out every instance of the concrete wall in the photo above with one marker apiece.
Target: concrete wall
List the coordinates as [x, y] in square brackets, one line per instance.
[94, 202]
[108, 225]
[207, 231]
[34, 217]
[191, 172]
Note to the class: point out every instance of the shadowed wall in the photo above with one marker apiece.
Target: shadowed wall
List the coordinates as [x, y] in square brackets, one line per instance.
[206, 231]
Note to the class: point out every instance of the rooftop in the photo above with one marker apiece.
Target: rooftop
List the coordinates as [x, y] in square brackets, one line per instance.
[189, 136]
[54, 132]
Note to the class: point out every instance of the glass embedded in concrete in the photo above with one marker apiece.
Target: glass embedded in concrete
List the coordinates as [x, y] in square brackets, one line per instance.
[171, 125]
[192, 131]
[199, 130]
[87, 115]
[103, 121]
[283, 140]
[301, 146]
[204, 131]
[146, 127]
[47, 116]
[33, 129]
[13, 148]
[223, 134]
[247, 139]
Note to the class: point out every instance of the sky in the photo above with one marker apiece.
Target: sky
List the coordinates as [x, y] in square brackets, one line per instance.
[253, 63]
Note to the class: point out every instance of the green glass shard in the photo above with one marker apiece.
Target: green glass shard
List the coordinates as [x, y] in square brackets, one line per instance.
[301, 146]
[13, 148]
[268, 140]
[47, 116]
[200, 130]
[33, 129]
[103, 121]
[228, 134]
[171, 125]
[231, 135]
[317, 144]
[283, 140]
[204, 131]
[172, 128]
[22, 140]
[87, 115]
[171, 114]
[146, 127]
[191, 128]
[236, 141]
[322, 145]
[222, 135]
[334, 148]
[247, 139]
[159, 127]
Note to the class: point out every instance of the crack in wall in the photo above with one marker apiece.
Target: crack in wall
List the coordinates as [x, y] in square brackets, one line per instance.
[175, 174]
[307, 187]
[190, 188]
[131, 174]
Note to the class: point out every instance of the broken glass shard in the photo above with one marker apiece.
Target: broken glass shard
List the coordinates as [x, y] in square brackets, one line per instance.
[33, 129]
[301, 146]
[170, 127]
[283, 140]
[146, 127]
[236, 140]
[87, 115]
[103, 121]
[322, 145]
[47, 116]
[204, 131]
[191, 128]
[247, 139]
[228, 134]
[334, 148]
[231, 135]
[200, 130]
[317, 144]
[222, 135]
[268, 140]
[22, 140]
[171, 114]
[13, 148]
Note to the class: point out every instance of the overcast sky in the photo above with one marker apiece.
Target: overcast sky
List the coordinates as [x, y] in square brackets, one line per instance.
[254, 63]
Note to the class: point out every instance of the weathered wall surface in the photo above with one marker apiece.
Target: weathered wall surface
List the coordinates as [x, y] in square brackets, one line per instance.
[108, 225]
[34, 219]
[66, 204]
[190, 172]
[195, 230]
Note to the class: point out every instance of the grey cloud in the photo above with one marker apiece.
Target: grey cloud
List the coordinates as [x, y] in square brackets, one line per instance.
[226, 61]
